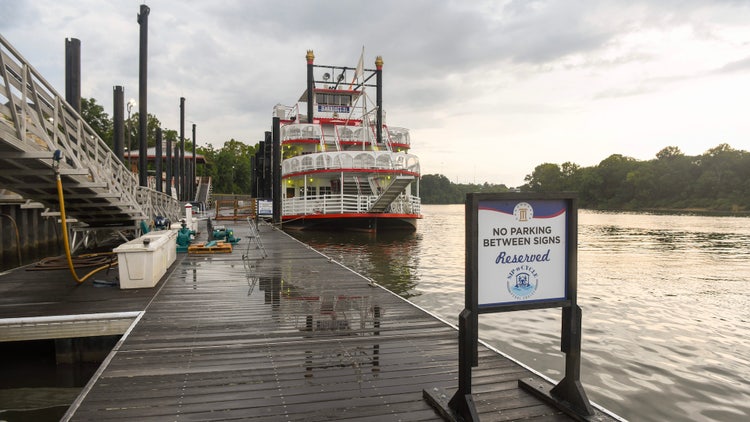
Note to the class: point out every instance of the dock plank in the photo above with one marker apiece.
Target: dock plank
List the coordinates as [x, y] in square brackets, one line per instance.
[292, 337]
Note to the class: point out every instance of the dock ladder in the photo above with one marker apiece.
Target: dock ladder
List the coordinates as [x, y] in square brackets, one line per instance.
[254, 237]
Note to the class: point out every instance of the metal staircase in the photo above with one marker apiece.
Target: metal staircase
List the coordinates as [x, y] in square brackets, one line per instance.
[390, 193]
[99, 191]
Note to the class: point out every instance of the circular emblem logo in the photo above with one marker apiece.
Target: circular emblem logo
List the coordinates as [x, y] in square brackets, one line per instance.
[523, 211]
[522, 282]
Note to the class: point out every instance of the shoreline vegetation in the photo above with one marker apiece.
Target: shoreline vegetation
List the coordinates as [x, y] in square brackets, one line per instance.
[716, 182]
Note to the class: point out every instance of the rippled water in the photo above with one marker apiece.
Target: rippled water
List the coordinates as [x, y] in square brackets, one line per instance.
[664, 298]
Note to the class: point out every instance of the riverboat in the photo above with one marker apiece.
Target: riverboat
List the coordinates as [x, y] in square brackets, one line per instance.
[342, 166]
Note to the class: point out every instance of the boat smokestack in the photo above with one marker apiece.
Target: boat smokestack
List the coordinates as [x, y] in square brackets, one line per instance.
[379, 98]
[310, 85]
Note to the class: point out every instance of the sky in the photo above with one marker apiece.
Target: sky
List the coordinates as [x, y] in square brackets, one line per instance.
[488, 89]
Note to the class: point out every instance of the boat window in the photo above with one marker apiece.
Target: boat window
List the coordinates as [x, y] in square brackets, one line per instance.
[333, 99]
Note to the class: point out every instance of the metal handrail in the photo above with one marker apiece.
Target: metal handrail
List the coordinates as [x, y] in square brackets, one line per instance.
[42, 121]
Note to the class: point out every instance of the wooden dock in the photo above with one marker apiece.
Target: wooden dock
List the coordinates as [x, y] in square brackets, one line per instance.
[293, 336]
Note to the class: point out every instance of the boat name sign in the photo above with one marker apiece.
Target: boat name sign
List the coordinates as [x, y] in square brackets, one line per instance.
[333, 108]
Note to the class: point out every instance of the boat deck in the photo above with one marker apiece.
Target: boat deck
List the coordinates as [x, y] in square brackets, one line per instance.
[293, 336]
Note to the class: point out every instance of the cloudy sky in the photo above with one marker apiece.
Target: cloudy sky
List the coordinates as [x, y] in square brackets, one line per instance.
[489, 89]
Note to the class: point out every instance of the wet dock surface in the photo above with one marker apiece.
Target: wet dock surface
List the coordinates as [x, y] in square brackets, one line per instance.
[292, 336]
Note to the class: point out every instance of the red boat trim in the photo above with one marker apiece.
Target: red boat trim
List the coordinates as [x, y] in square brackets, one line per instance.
[349, 215]
[300, 141]
[351, 170]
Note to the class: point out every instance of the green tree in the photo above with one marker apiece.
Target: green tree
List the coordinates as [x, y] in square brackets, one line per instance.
[437, 189]
[546, 177]
[100, 121]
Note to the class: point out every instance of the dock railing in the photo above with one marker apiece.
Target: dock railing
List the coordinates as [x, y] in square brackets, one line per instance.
[35, 121]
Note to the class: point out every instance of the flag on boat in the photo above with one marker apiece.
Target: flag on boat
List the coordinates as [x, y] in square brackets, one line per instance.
[360, 71]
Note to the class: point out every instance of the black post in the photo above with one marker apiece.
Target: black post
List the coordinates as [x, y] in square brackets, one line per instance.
[143, 97]
[276, 171]
[471, 295]
[254, 175]
[194, 171]
[268, 167]
[260, 161]
[379, 99]
[157, 161]
[570, 389]
[118, 122]
[73, 73]
[168, 162]
[462, 402]
[310, 85]
[181, 160]
[176, 169]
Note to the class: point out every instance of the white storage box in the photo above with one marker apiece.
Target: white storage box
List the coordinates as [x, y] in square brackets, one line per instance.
[143, 261]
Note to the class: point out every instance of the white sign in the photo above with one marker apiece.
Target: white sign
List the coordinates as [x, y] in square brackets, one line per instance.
[265, 207]
[521, 251]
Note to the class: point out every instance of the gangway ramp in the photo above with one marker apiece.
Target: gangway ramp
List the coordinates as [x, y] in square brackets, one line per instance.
[390, 193]
[35, 121]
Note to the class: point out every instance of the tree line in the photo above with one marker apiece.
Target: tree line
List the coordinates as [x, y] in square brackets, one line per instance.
[717, 180]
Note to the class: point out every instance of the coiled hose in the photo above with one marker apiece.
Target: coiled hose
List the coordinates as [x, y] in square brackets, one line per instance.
[64, 224]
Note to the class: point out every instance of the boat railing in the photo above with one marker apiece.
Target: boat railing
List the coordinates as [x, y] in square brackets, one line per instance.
[346, 204]
[392, 136]
[286, 112]
[301, 131]
[399, 136]
[366, 160]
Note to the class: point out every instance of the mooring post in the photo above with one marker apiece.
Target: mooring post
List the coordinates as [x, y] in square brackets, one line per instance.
[118, 122]
[157, 160]
[276, 171]
[181, 159]
[143, 97]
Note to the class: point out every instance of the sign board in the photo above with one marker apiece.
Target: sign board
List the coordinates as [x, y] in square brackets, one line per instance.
[333, 108]
[265, 208]
[519, 247]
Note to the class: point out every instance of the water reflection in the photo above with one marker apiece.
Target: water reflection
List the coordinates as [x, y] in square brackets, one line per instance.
[391, 259]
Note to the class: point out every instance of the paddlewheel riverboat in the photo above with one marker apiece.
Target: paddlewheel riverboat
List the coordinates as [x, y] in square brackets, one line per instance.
[342, 167]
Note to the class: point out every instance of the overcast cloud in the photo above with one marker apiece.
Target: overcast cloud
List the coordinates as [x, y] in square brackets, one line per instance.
[490, 89]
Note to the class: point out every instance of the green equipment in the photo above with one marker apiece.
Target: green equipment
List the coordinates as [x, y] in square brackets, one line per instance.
[184, 237]
[226, 234]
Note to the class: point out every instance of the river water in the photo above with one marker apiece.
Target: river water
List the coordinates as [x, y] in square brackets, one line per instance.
[665, 300]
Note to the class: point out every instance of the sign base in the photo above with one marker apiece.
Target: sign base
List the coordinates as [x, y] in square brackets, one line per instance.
[543, 390]
[441, 401]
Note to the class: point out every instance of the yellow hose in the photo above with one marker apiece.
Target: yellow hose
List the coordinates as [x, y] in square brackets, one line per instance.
[61, 199]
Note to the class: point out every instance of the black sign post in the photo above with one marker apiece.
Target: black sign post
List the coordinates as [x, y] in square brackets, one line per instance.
[521, 254]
